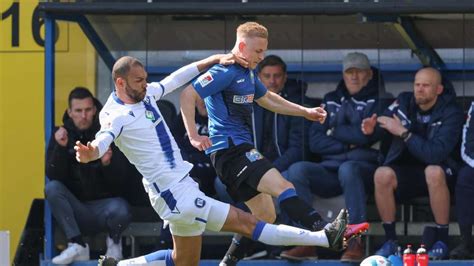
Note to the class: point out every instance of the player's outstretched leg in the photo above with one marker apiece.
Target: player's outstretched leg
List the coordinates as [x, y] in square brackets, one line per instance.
[282, 235]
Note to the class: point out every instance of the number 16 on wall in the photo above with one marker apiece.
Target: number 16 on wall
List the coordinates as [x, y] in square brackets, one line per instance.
[21, 28]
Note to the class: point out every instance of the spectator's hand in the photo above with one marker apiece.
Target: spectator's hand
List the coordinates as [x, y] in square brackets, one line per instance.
[106, 158]
[316, 114]
[229, 59]
[368, 125]
[391, 124]
[200, 142]
[85, 154]
[61, 136]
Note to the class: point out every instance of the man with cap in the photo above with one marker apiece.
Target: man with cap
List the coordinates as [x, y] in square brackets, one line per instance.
[348, 161]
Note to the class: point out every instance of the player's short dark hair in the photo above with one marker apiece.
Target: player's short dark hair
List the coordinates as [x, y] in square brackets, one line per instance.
[79, 93]
[272, 60]
[123, 66]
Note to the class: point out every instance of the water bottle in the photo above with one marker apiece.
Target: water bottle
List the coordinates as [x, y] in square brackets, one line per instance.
[409, 257]
[422, 257]
[396, 259]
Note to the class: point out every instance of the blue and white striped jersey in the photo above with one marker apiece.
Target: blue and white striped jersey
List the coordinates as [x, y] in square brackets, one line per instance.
[141, 133]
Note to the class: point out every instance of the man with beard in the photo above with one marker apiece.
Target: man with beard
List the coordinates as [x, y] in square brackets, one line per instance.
[425, 127]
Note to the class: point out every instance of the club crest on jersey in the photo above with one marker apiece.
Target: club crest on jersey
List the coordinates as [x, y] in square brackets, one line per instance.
[205, 79]
[253, 155]
[242, 99]
[199, 202]
[149, 115]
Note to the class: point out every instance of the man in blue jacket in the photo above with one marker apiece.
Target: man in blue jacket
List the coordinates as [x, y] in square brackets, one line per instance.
[348, 161]
[279, 137]
[465, 192]
[425, 127]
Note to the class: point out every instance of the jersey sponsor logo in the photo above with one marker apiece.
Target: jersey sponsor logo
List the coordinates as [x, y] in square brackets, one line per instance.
[243, 99]
[199, 202]
[205, 79]
[149, 115]
[253, 155]
[240, 81]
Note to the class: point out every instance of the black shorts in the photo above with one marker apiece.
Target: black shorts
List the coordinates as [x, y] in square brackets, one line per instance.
[412, 181]
[240, 168]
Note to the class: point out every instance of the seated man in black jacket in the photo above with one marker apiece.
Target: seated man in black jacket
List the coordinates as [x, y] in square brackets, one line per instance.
[80, 198]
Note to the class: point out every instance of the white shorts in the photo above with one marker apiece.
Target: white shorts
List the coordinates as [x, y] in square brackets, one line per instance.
[188, 210]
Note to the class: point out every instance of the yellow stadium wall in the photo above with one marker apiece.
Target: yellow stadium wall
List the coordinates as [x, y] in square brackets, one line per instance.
[22, 144]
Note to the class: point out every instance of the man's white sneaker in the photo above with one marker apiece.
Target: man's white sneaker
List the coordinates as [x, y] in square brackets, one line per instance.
[114, 250]
[73, 252]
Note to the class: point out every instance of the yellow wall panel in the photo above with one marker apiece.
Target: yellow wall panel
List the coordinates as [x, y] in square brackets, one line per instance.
[22, 145]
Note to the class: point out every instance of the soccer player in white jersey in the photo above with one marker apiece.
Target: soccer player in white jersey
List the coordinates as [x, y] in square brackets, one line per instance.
[132, 120]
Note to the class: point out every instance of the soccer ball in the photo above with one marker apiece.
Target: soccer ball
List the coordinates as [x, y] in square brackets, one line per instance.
[375, 260]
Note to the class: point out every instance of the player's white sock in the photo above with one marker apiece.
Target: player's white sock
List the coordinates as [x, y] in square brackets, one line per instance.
[133, 261]
[284, 235]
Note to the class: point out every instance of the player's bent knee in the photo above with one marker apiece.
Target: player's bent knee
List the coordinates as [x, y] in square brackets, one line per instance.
[434, 174]
[240, 222]
[384, 176]
[269, 217]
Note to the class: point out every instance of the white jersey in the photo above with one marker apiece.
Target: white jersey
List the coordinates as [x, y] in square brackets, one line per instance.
[141, 133]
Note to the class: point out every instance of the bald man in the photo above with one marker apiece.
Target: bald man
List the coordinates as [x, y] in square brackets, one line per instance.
[425, 127]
